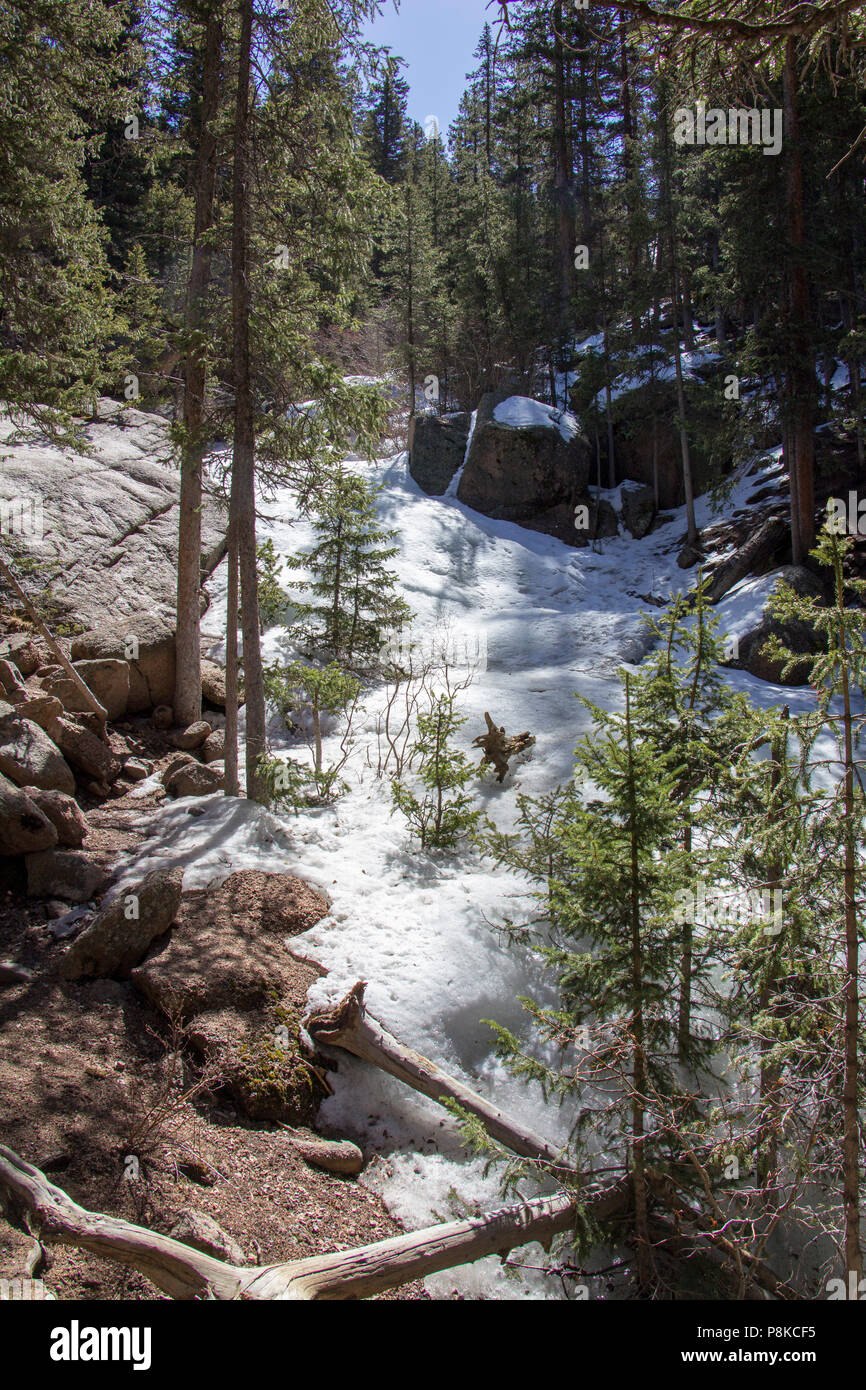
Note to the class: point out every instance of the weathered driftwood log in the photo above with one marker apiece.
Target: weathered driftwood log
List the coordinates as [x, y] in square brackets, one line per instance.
[498, 748]
[350, 1027]
[185, 1273]
[81, 686]
[757, 550]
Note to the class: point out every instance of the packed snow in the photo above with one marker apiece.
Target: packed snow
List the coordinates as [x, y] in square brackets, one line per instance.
[521, 412]
[537, 621]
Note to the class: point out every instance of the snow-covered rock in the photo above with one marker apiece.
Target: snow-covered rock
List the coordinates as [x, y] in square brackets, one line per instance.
[527, 463]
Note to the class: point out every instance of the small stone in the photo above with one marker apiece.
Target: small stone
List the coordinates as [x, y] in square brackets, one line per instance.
[120, 933]
[70, 923]
[213, 749]
[163, 717]
[171, 767]
[196, 779]
[192, 737]
[202, 1233]
[11, 682]
[135, 770]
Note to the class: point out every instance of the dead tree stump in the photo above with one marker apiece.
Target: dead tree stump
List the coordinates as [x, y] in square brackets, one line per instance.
[498, 748]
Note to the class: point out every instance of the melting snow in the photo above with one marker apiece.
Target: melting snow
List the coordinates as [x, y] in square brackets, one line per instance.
[543, 621]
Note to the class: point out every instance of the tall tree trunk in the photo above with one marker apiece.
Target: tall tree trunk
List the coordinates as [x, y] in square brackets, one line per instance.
[639, 1072]
[685, 452]
[410, 297]
[232, 785]
[767, 1157]
[802, 367]
[562, 177]
[851, 1083]
[243, 490]
[187, 688]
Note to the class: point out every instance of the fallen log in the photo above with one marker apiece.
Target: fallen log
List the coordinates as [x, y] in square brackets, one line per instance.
[81, 686]
[186, 1273]
[498, 748]
[754, 552]
[350, 1027]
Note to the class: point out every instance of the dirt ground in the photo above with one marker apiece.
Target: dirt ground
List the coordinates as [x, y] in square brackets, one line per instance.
[83, 1070]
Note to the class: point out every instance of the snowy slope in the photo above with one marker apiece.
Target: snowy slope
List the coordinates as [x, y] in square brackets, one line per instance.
[548, 620]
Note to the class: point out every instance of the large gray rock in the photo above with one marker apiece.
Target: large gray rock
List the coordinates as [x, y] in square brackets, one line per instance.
[437, 445]
[108, 680]
[64, 813]
[120, 934]
[85, 751]
[638, 508]
[28, 756]
[524, 460]
[799, 637]
[145, 643]
[24, 829]
[196, 779]
[110, 514]
[66, 874]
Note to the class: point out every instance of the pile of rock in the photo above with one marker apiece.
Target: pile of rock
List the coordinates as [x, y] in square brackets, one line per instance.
[52, 746]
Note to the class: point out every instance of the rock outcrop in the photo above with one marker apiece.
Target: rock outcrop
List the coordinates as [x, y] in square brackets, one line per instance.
[226, 973]
[527, 463]
[109, 514]
[747, 617]
[437, 446]
[226, 948]
[24, 829]
[120, 933]
[638, 508]
[142, 641]
[29, 757]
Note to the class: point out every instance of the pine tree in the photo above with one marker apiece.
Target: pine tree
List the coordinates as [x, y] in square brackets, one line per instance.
[353, 604]
[433, 798]
[56, 316]
[839, 673]
[299, 689]
[611, 943]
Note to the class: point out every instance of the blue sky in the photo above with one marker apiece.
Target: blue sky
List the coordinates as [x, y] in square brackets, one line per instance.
[437, 38]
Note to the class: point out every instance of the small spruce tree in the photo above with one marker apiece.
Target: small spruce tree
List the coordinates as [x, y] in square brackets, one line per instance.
[352, 602]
